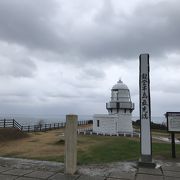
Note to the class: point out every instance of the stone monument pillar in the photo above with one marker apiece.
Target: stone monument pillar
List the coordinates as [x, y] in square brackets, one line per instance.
[145, 112]
[71, 144]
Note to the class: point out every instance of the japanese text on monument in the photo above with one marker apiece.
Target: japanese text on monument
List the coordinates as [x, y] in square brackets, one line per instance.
[144, 96]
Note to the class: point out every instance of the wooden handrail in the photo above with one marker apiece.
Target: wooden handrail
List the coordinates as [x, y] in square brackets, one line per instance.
[12, 123]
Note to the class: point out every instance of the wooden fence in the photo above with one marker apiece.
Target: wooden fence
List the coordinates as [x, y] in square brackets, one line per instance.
[12, 123]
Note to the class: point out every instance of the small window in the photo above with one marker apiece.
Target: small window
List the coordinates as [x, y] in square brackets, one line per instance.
[97, 123]
[124, 110]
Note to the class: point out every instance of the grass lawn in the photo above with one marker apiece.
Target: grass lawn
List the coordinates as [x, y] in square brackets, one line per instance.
[109, 149]
[91, 149]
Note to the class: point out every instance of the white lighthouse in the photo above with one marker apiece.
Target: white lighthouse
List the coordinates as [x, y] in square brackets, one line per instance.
[119, 117]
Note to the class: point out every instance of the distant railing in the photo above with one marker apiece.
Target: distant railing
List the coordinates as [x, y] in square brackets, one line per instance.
[84, 130]
[12, 123]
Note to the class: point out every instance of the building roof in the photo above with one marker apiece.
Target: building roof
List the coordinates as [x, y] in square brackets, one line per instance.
[120, 85]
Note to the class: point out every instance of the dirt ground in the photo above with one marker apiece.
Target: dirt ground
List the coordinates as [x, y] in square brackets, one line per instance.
[38, 145]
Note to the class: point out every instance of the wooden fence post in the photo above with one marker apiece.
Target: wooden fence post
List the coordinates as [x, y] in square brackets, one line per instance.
[13, 123]
[70, 144]
[4, 123]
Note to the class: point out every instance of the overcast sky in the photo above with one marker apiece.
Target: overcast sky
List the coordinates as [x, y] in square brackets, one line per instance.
[59, 57]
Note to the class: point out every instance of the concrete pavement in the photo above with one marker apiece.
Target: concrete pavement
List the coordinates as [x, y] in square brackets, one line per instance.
[21, 169]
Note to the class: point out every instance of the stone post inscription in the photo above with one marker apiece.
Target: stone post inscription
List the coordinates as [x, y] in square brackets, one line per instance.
[145, 109]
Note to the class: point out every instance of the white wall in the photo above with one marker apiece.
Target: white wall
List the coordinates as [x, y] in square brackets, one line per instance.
[112, 124]
[107, 124]
[125, 123]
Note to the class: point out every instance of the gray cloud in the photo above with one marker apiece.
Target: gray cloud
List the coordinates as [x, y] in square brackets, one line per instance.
[152, 28]
[107, 36]
[17, 67]
[91, 73]
[30, 24]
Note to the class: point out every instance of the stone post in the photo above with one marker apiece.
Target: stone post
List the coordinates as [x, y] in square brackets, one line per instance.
[71, 144]
[145, 111]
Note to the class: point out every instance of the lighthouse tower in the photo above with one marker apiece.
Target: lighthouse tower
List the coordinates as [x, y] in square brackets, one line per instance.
[119, 117]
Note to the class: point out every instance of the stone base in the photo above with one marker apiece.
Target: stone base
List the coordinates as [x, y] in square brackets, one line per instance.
[149, 164]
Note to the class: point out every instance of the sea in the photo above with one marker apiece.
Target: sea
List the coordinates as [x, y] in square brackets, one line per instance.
[26, 119]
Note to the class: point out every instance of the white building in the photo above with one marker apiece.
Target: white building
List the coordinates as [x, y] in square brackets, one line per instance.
[118, 119]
